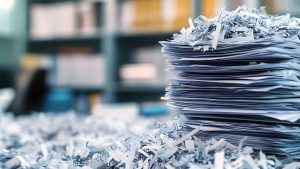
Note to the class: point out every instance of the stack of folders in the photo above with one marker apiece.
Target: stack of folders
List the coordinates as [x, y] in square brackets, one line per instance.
[240, 90]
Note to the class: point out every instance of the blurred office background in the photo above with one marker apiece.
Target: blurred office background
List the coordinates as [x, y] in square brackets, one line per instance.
[78, 54]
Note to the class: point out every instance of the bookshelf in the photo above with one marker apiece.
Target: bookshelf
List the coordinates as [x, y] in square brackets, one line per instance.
[116, 45]
[114, 40]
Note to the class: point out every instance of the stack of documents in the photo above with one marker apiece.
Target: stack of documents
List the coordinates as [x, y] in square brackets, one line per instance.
[238, 87]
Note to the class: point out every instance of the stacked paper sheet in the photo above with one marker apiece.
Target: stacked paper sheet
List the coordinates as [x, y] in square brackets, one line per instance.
[238, 76]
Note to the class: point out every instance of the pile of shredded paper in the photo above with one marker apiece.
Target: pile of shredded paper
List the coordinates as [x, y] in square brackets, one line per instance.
[68, 141]
[243, 24]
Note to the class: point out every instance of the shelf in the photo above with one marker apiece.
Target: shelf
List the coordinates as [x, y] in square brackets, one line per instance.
[81, 88]
[66, 39]
[141, 88]
[142, 34]
[51, 45]
[99, 36]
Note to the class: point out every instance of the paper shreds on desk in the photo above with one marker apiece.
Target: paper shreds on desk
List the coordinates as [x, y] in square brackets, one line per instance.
[68, 141]
[238, 76]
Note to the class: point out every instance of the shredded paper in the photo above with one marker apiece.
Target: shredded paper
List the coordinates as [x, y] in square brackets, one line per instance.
[68, 141]
[242, 25]
[237, 90]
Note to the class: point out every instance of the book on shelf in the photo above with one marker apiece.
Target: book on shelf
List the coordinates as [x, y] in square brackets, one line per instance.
[89, 19]
[69, 70]
[153, 15]
[127, 13]
[33, 61]
[211, 8]
[53, 20]
[184, 12]
[111, 14]
[64, 19]
[80, 70]
[147, 67]
[69, 50]
[139, 73]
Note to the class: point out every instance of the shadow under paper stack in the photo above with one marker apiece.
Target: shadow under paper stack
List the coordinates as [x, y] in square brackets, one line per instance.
[238, 77]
